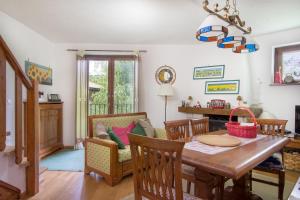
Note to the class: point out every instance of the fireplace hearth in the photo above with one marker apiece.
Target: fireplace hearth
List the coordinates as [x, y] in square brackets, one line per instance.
[217, 122]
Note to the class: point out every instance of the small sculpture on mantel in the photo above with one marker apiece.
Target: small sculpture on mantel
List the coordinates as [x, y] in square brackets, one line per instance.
[239, 101]
[189, 101]
[198, 105]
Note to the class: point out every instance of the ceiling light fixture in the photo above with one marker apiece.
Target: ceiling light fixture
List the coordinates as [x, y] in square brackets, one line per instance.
[225, 26]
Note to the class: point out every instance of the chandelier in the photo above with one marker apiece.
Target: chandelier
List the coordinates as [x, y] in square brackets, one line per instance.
[224, 26]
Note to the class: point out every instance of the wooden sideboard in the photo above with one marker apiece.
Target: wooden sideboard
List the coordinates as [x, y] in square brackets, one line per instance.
[51, 132]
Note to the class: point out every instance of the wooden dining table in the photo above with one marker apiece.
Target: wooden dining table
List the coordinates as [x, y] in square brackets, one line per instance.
[236, 163]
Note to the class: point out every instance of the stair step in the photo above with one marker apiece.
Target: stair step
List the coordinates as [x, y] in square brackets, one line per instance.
[9, 150]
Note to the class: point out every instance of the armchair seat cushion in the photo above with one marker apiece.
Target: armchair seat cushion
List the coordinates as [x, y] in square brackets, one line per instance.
[273, 162]
[124, 154]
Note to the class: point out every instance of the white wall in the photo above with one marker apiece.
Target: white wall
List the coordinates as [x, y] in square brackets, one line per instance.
[183, 58]
[278, 100]
[25, 44]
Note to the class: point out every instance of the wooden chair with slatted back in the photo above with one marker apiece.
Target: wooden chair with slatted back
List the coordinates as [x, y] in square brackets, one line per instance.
[157, 168]
[200, 126]
[177, 129]
[274, 164]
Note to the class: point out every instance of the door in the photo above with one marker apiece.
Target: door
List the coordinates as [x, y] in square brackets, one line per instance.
[112, 84]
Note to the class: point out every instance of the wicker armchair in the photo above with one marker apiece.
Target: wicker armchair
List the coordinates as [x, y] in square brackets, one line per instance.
[102, 156]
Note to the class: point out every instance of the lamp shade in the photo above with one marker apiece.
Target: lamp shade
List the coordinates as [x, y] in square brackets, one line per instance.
[212, 29]
[235, 38]
[165, 90]
[249, 47]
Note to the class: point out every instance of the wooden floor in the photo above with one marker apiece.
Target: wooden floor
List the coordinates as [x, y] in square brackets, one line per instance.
[59, 185]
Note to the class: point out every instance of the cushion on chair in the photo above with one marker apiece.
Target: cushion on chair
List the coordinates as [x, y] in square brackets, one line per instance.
[120, 121]
[273, 162]
[101, 131]
[122, 132]
[115, 138]
[160, 133]
[139, 130]
[146, 124]
[124, 154]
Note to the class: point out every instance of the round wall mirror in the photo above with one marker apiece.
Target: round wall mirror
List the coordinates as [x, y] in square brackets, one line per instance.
[165, 74]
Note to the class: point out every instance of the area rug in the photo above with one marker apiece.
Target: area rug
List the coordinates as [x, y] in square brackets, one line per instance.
[65, 160]
[267, 192]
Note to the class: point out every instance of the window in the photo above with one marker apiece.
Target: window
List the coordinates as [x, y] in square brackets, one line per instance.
[111, 84]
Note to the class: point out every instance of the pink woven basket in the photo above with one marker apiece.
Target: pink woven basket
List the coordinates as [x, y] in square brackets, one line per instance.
[235, 129]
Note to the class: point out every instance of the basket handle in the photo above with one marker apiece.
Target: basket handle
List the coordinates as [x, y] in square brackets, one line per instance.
[246, 109]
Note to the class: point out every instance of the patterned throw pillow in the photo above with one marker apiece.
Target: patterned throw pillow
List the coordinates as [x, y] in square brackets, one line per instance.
[139, 130]
[122, 132]
[101, 131]
[115, 138]
[146, 124]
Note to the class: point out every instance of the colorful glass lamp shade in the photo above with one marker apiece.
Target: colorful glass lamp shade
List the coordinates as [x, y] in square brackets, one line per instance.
[212, 29]
[233, 40]
[249, 47]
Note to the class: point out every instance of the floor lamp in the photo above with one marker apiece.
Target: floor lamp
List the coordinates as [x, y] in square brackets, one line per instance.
[165, 90]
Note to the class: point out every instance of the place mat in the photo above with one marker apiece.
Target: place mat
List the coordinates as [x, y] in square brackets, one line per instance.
[219, 140]
[207, 149]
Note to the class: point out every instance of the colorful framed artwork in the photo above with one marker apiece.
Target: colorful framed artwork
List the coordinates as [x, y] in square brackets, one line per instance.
[209, 72]
[222, 87]
[286, 64]
[38, 72]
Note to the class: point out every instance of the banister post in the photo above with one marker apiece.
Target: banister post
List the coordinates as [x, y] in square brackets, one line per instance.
[2, 100]
[18, 120]
[33, 134]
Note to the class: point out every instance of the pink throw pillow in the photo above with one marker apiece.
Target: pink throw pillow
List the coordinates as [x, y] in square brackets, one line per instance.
[122, 132]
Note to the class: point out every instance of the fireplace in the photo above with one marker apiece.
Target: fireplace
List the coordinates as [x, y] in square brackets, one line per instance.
[297, 119]
[217, 122]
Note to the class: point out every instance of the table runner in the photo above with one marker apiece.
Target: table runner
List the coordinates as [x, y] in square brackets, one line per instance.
[207, 149]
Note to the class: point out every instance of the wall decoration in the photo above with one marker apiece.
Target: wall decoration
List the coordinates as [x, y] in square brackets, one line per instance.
[209, 72]
[222, 87]
[165, 74]
[38, 72]
[286, 64]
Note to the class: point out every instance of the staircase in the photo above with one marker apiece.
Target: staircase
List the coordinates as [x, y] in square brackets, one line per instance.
[21, 159]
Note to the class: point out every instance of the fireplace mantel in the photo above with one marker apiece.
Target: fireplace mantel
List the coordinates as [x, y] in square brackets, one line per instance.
[211, 111]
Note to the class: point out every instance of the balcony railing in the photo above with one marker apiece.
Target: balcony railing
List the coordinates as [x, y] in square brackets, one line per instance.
[102, 109]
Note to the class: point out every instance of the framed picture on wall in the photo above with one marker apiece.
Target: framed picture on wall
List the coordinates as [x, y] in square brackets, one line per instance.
[38, 72]
[209, 72]
[222, 87]
[286, 64]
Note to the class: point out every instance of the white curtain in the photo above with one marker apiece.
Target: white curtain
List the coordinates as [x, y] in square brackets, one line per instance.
[81, 100]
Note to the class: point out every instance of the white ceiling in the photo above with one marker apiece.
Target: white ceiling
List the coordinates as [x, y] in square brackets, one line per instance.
[140, 21]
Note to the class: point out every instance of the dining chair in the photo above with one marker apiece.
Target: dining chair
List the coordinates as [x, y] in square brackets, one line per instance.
[179, 129]
[275, 163]
[200, 126]
[157, 168]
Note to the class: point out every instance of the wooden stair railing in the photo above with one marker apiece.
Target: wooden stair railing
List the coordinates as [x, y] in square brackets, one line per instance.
[27, 138]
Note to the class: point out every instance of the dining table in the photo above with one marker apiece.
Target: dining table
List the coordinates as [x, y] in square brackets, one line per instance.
[212, 169]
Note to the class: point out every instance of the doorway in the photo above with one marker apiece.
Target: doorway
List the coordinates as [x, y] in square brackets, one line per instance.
[111, 84]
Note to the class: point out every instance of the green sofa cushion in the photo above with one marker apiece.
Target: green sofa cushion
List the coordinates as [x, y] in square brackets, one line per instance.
[115, 138]
[139, 130]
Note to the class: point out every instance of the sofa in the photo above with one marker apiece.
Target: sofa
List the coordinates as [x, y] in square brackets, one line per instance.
[102, 156]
